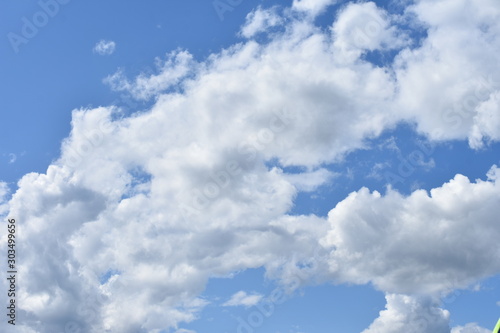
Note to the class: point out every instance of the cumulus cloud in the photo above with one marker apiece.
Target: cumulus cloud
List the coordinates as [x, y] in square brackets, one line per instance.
[362, 27]
[399, 254]
[193, 188]
[486, 122]
[410, 314]
[241, 298]
[449, 84]
[105, 47]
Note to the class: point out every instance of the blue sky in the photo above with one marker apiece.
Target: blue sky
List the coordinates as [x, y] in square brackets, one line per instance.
[174, 164]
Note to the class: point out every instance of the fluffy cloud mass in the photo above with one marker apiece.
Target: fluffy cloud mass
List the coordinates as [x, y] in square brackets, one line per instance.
[123, 231]
[410, 314]
[386, 239]
[449, 83]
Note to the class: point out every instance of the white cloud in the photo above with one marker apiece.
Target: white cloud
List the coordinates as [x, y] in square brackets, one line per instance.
[410, 314]
[131, 192]
[486, 122]
[310, 181]
[363, 26]
[105, 47]
[4, 191]
[182, 330]
[470, 328]
[376, 171]
[260, 20]
[449, 83]
[176, 67]
[312, 7]
[241, 298]
[380, 239]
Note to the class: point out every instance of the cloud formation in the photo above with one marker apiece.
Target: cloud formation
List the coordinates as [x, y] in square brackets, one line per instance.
[260, 20]
[312, 7]
[410, 314]
[470, 328]
[161, 201]
[105, 47]
[241, 298]
[4, 191]
[422, 243]
[176, 67]
[362, 27]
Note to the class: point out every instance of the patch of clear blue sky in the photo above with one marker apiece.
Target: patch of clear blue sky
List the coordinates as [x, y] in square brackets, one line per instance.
[321, 309]
[480, 306]
[56, 72]
[108, 275]
[402, 159]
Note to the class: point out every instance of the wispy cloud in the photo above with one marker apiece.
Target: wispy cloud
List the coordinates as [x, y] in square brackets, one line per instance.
[470, 328]
[183, 330]
[173, 70]
[105, 47]
[12, 158]
[260, 20]
[241, 298]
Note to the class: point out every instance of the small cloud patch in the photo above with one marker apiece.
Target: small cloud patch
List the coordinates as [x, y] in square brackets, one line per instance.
[105, 47]
[241, 298]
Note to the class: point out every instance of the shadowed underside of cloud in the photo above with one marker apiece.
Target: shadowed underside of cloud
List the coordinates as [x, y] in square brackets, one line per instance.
[171, 197]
